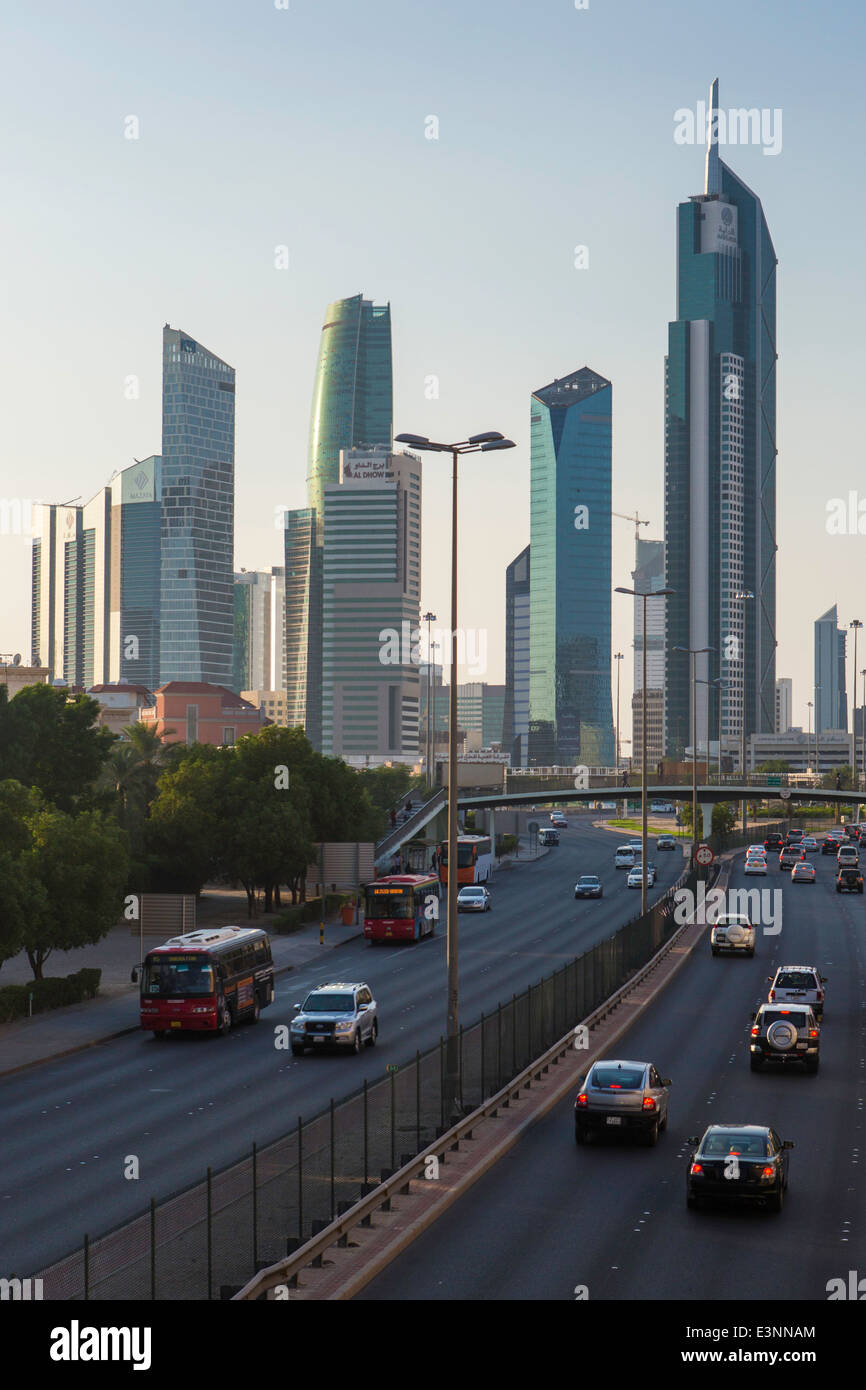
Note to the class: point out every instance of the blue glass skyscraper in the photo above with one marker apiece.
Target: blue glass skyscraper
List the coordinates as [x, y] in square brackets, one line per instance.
[720, 459]
[570, 713]
[198, 483]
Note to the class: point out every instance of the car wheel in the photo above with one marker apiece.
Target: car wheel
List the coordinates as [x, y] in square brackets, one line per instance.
[356, 1042]
[692, 1202]
[651, 1137]
[756, 1063]
[812, 1065]
[579, 1134]
[374, 1033]
[751, 954]
[777, 1200]
[715, 950]
[297, 1051]
[225, 1021]
[663, 1124]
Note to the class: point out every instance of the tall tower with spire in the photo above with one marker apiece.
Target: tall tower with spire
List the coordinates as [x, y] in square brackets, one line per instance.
[720, 458]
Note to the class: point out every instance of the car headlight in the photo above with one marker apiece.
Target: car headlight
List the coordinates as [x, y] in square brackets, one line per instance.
[345, 1027]
[297, 1025]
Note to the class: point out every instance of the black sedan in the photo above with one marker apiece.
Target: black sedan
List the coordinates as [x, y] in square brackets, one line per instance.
[739, 1163]
[588, 886]
[830, 845]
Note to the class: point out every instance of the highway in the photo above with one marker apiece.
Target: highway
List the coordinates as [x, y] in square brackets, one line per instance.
[553, 1218]
[200, 1100]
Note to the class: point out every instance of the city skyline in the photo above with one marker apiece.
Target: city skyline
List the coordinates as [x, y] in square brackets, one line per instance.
[265, 321]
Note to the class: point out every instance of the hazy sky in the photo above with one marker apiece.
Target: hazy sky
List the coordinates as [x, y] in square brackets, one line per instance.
[261, 127]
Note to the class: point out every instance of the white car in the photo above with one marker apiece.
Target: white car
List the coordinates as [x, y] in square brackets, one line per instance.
[473, 898]
[635, 876]
[798, 984]
[756, 849]
[732, 932]
[755, 864]
[624, 858]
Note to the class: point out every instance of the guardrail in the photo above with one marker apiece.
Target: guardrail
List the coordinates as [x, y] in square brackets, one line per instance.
[285, 1273]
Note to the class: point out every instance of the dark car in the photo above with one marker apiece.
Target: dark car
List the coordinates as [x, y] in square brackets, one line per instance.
[794, 837]
[740, 1163]
[588, 886]
[830, 845]
[849, 881]
[774, 841]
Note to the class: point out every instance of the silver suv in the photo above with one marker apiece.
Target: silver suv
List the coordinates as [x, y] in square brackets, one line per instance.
[784, 1033]
[335, 1015]
[798, 984]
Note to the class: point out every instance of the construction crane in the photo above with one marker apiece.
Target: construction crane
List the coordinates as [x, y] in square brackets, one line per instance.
[637, 522]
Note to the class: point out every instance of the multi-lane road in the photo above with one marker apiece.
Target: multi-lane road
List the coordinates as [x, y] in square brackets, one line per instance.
[68, 1126]
[554, 1219]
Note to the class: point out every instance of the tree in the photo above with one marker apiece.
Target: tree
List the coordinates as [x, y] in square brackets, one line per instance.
[80, 864]
[774, 765]
[20, 891]
[184, 831]
[53, 743]
[385, 786]
[838, 779]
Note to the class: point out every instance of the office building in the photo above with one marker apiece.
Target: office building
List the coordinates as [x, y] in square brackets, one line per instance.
[515, 719]
[831, 697]
[784, 701]
[198, 479]
[720, 459]
[303, 623]
[135, 573]
[648, 576]
[371, 634]
[803, 752]
[481, 710]
[570, 714]
[259, 629]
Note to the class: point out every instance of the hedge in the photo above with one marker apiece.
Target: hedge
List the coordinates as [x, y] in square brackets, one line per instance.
[50, 993]
[293, 918]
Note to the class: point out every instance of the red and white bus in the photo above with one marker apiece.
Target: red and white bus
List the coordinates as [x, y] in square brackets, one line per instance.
[206, 981]
[401, 907]
[474, 859]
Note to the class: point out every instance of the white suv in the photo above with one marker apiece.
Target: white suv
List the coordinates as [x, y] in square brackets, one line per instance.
[798, 984]
[624, 858]
[335, 1015]
[732, 932]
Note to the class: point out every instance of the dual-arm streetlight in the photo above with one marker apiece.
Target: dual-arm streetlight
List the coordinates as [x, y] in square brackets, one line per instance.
[476, 443]
[653, 593]
[694, 653]
[428, 619]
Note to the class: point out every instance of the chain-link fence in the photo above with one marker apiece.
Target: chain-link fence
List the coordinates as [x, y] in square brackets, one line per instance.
[207, 1241]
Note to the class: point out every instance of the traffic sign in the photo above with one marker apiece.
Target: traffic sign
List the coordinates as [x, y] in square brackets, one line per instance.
[704, 855]
[785, 793]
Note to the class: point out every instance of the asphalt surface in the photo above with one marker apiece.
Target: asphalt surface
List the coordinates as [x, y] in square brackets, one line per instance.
[196, 1101]
[552, 1217]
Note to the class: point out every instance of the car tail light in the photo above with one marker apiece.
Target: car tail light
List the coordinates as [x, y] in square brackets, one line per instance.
[820, 996]
[768, 1172]
[696, 1170]
[772, 995]
[614, 1086]
[583, 1099]
[649, 1103]
[755, 1032]
[813, 1032]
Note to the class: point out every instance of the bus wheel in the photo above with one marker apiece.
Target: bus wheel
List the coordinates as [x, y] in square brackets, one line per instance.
[255, 1012]
[225, 1021]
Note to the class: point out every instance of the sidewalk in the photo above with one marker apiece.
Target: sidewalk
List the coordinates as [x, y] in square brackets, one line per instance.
[114, 1011]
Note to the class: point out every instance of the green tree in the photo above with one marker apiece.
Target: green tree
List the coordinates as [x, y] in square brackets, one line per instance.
[185, 829]
[386, 785]
[20, 891]
[774, 765]
[52, 742]
[80, 864]
[842, 775]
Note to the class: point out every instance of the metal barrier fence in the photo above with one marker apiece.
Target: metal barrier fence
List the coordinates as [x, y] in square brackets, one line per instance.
[208, 1240]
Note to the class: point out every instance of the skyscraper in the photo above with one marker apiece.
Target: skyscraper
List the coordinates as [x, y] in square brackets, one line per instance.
[135, 573]
[570, 717]
[198, 479]
[648, 576]
[371, 607]
[515, 723]
[784, 704]
[831, 699]
[259, 629]
[352, 409]
[720, 457]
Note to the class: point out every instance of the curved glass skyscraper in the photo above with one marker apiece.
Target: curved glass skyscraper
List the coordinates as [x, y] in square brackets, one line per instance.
[353, 393]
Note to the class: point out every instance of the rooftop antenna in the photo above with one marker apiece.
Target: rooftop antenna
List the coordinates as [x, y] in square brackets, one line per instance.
[712, 172]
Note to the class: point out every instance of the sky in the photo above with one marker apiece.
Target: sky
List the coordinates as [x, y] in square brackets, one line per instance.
[305, 125]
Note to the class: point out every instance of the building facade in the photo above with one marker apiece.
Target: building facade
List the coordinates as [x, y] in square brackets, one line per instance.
[135, 573]
[570, 713]
[200, 712]
[648, 576]
[831, 696]
[515, 719]
[371, 607]
[720, 458]
[481, 710]
[784, 705]
[198, 478]
[259, 629]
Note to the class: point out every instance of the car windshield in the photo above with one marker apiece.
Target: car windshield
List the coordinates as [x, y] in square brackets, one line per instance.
[178, 975]
[796, 1016]
[606, 1078]
[795, 979]
[588, 880]
[733, 1141]
[472, 892]
[725, 919]
[329, 1004]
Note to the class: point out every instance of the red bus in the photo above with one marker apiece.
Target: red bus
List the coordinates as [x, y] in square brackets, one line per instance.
[206, 981]
[401, 907]
[474, 859]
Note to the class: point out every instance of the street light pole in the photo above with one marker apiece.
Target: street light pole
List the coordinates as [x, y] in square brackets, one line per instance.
[856, 624]
[617, 656]
[429, 618]
[478, 443]
[862, 731]
[694, 653]
[746, 594]
[652, 593]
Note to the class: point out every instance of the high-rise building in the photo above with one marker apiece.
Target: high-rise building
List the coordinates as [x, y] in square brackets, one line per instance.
[371, 607]
[259, 629]
[43, 603]
[648, 576]
[135, 573]
[720, 458]
[481, 709]
[784, 703]
[198, 480]
[352, 409]
[570, 716]
[515, 720]
[831, 699]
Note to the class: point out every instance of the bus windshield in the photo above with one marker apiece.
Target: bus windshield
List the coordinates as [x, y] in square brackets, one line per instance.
[177, 974]
[465, 855]
[389, 902]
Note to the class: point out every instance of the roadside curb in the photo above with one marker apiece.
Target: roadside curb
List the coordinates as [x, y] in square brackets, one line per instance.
[125, 1032]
